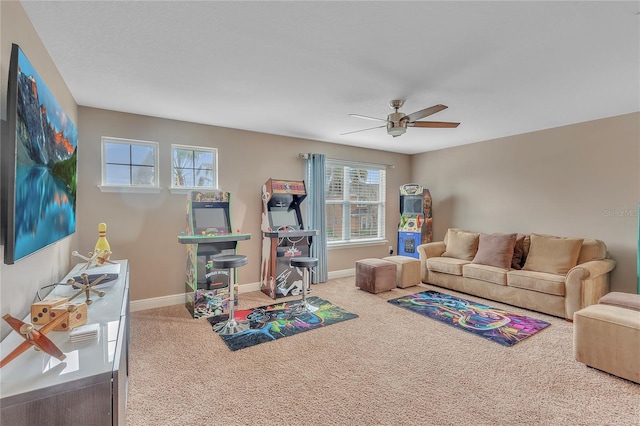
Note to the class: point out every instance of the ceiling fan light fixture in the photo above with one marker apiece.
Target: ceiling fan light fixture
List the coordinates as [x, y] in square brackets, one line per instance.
[396, 131]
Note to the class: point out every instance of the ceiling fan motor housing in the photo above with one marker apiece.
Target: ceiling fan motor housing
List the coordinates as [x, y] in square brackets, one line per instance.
[396, 126]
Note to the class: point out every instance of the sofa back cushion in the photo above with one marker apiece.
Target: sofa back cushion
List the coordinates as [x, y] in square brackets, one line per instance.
[554, 255]
[518, 252]
[592, 250]
[495, 250]
[461, 244]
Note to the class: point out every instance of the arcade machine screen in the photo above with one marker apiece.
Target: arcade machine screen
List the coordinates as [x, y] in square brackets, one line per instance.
[282, 218]
[211, 217]
[412, 204]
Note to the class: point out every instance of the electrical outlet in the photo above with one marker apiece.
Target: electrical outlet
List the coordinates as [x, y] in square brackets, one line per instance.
[390, 250]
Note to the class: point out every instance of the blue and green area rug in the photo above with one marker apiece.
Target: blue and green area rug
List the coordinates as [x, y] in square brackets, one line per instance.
[279, 320]
[491, 323]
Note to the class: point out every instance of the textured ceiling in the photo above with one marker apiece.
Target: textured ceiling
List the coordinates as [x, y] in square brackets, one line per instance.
[299, 68]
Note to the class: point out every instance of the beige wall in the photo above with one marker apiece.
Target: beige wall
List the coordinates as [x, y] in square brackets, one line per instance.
[580, 180]
[144, 227]
[19, 282]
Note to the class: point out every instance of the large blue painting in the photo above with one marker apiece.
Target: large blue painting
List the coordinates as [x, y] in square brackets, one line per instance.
[46, 164]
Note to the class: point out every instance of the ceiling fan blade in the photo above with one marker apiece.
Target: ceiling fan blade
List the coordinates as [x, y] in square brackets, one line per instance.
[433, 124]
[366, 117]
[424, 113]
[362, 130]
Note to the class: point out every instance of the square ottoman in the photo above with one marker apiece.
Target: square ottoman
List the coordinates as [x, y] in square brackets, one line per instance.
[606, 336]
[375, 275]
[407, 272]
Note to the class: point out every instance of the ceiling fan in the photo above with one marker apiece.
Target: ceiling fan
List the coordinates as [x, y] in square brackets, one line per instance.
[397, 122]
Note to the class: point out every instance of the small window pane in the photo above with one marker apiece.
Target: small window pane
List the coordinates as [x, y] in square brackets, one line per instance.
[334, 222]
[204, 177]
[117, 153]
[183, 158]
[142, 155]
[193, 167]
[143, 175]
[117, 174]
[203, 160]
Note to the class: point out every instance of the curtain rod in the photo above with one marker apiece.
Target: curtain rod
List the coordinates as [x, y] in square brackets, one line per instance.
[391, 166]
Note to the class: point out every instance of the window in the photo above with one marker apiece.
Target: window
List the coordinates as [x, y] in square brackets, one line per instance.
[129, 164]
[194, 167]
[355, 202]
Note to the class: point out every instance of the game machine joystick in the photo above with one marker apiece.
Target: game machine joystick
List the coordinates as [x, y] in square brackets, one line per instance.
[209, 235]
[283, 237]
[415, 219]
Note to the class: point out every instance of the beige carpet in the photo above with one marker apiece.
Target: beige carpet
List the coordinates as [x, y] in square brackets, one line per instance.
[390, 366]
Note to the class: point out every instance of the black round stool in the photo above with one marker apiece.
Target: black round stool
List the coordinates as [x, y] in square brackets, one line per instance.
[230, 262]
[306, 263]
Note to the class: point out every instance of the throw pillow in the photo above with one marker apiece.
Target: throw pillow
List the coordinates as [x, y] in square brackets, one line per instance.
[555, 255]
[518, 252]
[495, 250]
[461, 244]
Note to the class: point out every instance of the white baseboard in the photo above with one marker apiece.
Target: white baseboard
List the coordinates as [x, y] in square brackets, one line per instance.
[177, 299]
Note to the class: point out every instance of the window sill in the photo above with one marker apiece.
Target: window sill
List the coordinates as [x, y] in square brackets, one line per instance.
[130, 189]
[174, 190]
[359, 243]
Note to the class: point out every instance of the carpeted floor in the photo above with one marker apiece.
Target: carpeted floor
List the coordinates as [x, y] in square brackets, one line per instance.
[387, 367]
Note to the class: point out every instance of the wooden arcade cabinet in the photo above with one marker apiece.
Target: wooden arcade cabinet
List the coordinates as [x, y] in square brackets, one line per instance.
[209, 235]
[283, 237]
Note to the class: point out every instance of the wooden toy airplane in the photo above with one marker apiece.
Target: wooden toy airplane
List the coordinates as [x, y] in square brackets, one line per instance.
[34, 337]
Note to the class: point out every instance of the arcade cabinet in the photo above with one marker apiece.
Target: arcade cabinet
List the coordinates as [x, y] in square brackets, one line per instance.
[283, 237]
[415, 219]
[209, 235]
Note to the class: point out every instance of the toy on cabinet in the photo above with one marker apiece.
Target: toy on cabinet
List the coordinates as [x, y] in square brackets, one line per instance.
[34, 337]
[102, 245]
[41, 311]
[86, 287]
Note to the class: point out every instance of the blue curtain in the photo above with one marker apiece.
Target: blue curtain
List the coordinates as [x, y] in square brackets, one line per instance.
[315, 214]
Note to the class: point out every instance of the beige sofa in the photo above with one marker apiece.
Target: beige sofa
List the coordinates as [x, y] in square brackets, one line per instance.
[554, 275]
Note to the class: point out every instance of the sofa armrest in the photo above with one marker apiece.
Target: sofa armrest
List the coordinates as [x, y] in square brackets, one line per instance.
[586, 283]
[426, 251]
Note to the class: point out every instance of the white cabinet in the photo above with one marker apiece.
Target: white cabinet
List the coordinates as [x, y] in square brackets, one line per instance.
[90, 386]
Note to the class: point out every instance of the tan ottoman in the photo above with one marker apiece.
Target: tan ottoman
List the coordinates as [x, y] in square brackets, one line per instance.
[407, 270]
[375, 275]
[606, 336]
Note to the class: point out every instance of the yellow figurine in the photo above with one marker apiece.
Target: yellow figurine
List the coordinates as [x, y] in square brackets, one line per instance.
[102, 245]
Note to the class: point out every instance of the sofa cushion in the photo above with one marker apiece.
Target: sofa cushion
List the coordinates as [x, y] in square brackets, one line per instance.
[541, 282]
[555, 255]
[446, 265]
[495, 250]
[518, 252]
[461, 244]
[490, 274]
[592, 250]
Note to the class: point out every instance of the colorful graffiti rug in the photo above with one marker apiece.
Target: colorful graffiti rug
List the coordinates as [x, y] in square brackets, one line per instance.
[272, 322]
[490, 323]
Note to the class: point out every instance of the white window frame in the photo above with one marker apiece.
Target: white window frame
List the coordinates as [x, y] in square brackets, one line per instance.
[154, 188]
[346, 205]
[183, 189]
